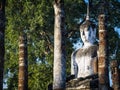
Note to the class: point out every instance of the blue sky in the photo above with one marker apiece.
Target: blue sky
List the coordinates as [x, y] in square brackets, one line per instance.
[86, 0]
[117, 30]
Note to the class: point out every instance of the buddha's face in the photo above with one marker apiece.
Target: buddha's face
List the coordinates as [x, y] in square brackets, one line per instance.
[88, 35]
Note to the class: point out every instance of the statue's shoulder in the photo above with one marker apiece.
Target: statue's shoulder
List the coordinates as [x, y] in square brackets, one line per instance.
[93, 50]
[83, 51]
[78, 51]
[75, 52]
[93, 47]
[90, 48]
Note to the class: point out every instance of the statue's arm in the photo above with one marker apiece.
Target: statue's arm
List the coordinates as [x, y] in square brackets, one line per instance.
[74, 67]
[95, 65]
[95, 61]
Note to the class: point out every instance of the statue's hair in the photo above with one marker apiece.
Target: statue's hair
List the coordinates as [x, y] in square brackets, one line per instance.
[88, 24]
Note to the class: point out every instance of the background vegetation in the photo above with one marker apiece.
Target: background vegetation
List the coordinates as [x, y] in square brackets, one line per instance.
[36, 18]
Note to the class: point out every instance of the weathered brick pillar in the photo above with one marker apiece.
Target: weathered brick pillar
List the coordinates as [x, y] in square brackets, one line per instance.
[115, 74]
[102, 57]
[23, 77]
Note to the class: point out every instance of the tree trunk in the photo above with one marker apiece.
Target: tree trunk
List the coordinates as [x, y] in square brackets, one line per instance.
[59, 69]
[2, 35]
[102, 57]
[23, 77]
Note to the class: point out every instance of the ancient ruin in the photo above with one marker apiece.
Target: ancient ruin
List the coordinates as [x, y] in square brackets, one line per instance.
[89, 64]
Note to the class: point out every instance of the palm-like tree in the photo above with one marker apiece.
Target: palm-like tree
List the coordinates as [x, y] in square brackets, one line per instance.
[59, 70]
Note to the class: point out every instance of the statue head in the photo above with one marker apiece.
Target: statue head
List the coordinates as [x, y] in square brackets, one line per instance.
[88, 33]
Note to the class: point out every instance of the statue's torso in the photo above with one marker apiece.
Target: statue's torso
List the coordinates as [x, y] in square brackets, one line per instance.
[84, 58]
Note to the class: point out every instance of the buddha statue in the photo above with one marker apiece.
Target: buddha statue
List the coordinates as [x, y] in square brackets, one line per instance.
[84, 60]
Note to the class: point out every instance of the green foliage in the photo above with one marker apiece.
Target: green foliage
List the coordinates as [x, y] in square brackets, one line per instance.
[36, 18]
[32, 17]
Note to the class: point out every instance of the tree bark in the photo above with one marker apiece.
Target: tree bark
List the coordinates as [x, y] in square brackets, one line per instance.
[23, 72]
[2, 35]
[102, 57]
[59, 69]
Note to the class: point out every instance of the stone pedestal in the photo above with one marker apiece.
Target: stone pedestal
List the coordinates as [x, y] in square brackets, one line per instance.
[87, 83]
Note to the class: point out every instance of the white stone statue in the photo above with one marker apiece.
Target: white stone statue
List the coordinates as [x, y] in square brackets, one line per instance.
[84, 60]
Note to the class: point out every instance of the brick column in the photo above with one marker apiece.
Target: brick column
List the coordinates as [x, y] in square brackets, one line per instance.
[115, 74]
[102, 57]
[23, 77]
